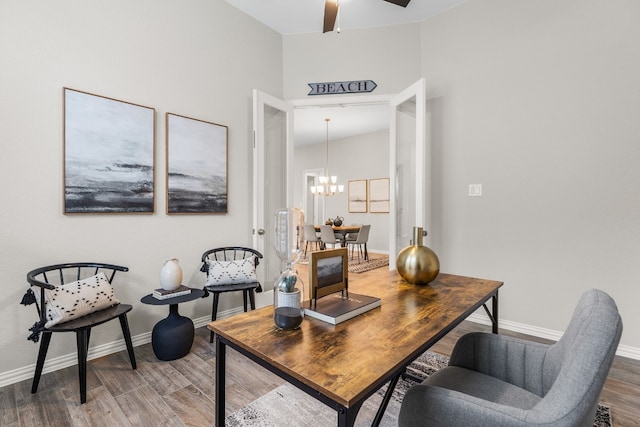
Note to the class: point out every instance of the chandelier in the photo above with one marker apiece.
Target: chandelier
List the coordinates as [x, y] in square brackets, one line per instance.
[327, 184]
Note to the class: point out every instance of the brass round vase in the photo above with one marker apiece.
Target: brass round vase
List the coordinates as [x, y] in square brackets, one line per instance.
[416, 263]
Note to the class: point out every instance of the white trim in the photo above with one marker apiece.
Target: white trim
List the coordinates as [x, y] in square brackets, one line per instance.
[623, 350]
[265, 298]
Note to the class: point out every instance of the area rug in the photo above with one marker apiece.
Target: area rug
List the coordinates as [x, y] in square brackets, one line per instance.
[287, 406]
[360, 266]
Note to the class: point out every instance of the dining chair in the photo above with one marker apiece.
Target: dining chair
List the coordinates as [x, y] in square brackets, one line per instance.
[310, 236]
[328, 237]
[230, 269]
[75, 297]
[361, 242]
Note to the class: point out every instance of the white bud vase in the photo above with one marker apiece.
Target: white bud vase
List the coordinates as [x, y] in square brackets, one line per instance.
[171, 275]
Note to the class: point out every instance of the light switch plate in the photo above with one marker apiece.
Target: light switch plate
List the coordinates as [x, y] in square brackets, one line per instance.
[475, 190]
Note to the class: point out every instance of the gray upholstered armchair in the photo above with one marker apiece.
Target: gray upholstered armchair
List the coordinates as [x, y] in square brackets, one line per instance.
[495, 380]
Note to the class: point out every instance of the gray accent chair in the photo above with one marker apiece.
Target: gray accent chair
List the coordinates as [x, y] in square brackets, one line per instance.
[495, 380]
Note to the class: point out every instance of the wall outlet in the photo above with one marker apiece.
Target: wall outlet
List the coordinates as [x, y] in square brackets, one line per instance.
[475, 190]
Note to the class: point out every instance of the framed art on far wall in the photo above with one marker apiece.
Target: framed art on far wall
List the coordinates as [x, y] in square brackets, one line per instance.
[379, 195]
[196, 166]
[108, 155]
[358, 196]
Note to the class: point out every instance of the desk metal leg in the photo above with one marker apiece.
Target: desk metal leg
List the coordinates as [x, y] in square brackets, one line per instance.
[495, 313]
[221, 349]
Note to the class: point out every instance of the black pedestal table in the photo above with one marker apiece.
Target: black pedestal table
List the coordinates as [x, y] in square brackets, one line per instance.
[172, 337]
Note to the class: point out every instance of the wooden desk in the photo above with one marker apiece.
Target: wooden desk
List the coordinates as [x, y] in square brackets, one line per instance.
[343, 365]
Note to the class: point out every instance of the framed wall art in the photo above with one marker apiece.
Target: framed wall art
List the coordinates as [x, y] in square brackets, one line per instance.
[379, 195]
[196, 166]
[328, 273]
[108, 155]
[358, 196]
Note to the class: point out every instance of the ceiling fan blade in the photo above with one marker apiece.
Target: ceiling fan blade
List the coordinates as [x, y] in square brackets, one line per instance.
[402, 3]
[330, 14]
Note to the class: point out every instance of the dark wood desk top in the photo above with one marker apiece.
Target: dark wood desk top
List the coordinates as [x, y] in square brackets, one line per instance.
[349, 361]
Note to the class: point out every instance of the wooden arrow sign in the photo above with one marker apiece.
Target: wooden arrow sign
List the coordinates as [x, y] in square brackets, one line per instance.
[335, 88]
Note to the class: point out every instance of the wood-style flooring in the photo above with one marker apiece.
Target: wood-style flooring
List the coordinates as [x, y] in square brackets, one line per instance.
[181, 392]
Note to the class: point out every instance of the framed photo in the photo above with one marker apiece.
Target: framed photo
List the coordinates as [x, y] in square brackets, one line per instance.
[196, 166]
[379, 195]
[108, 155]
[358, 196]
[328, 273]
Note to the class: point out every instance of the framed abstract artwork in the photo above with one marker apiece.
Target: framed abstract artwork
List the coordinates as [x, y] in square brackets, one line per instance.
[108, 155]
[328, 273]
[196, 166]
[358, 196]
[379, 195]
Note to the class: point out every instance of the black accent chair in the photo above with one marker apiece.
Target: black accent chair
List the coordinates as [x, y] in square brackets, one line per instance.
[47, 278]
[248, 288]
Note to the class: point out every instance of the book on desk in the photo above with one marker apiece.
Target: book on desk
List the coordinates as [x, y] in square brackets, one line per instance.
[336, 309]
[164, 293]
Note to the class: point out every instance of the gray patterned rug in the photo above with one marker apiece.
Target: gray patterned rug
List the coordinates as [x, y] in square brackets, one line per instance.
[287, 406]
[360, 266]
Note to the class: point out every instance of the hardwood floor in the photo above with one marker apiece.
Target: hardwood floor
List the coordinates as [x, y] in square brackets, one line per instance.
[181, 392]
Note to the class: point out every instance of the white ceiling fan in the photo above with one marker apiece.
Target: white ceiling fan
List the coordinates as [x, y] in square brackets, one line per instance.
[331, 8]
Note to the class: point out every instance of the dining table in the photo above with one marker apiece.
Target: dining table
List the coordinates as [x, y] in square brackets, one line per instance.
[342, 231]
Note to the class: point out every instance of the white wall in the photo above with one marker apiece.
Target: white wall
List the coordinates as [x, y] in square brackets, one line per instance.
[198, 58]
[346, 161]
[537, 102]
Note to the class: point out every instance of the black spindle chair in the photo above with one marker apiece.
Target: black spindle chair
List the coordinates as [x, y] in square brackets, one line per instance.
[47, 278]
[231, 253]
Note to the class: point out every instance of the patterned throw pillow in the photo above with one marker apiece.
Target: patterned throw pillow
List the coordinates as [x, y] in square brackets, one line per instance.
[76, 299]
[230, 272]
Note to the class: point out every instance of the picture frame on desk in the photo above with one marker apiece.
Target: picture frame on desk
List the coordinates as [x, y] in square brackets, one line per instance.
[328, 273]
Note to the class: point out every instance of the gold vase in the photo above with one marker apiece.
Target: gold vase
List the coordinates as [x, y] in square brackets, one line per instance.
[416, 263]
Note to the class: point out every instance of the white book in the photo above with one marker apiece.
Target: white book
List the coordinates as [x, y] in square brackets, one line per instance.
[335, 309]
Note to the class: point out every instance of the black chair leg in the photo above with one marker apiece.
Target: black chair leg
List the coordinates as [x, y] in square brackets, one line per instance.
[244, 299]
[252, 299]
[127, 339]
[82, 339]
[214, 312]
[42, 354]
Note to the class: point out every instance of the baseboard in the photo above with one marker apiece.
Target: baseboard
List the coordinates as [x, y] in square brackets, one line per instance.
[623, 350]
[263, 299]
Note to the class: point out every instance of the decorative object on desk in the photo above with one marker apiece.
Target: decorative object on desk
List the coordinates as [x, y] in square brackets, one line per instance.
[170, 274]
[329, 221]
[161, 293]
[417, 263]
[287, 293]
[336, 308]
[338, 221]
[328, 274]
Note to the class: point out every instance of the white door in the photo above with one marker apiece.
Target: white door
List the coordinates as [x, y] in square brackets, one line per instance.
[408, 168]
[272, 180]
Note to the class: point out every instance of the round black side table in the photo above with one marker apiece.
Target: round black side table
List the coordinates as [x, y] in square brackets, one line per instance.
[172, 337]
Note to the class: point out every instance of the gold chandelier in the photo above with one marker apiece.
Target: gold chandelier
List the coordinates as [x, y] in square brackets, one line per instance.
[327, 184]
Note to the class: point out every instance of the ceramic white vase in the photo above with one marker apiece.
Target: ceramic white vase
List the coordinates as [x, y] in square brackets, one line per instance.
[170, 275]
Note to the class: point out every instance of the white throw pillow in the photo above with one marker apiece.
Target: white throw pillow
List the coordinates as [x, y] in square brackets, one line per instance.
[230, 272]
[76, 299]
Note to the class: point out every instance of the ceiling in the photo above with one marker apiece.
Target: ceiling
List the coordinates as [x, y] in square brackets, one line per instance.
[306, 16]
